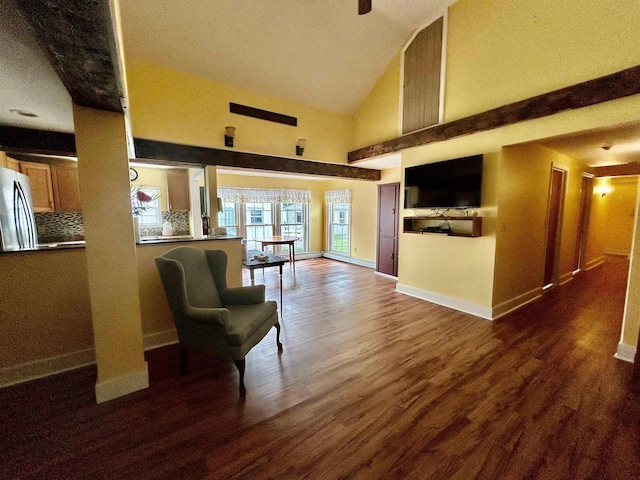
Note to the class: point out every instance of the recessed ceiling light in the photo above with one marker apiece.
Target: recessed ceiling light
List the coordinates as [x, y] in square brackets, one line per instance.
[23, 113]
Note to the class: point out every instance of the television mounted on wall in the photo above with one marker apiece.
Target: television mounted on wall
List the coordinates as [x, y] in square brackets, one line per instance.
[453, 183]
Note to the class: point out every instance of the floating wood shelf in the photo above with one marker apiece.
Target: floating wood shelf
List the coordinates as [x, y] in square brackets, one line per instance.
[458, 226]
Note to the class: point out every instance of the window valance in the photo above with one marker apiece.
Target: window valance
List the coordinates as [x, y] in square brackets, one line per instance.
[281, 195]
[337, 196]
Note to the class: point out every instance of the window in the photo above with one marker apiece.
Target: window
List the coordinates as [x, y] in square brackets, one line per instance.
[339, 226]
[261, 213]
[150, 212]
[228, 218]
[338, 221]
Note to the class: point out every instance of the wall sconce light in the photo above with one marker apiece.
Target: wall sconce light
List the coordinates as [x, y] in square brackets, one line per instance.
[228, 136]
[606, 190]
[220, 209]
[302, 142]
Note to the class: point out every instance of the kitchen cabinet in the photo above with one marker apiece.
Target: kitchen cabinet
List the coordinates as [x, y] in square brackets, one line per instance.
[9, 162]
[41, 186]
[178, 191]
[66, 188]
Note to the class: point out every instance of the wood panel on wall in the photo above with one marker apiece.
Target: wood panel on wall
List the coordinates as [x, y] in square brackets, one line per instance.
[421, 89]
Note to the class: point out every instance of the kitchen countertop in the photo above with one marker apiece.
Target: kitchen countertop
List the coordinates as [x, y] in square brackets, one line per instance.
[144, 241]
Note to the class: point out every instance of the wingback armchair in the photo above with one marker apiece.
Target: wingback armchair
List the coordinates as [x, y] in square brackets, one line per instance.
[208, 315]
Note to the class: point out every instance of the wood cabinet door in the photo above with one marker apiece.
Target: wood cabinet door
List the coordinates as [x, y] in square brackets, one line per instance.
[66, 188]
[41, 187]
[13, 164]
[178, 192]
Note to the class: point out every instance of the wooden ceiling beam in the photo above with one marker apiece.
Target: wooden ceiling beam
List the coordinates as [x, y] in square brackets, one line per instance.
[632, 168]
[602, 89]
[26, 140]
[78, 38]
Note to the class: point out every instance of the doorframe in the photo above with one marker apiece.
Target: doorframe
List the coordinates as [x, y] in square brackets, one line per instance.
[583, 223]
[558, 238]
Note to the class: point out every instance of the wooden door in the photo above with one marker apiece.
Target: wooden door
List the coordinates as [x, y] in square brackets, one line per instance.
[586, 192]
[387, 252]
[41, 187]
[554, 216]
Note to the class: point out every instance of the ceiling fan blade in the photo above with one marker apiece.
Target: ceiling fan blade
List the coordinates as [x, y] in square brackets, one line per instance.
[364, 6]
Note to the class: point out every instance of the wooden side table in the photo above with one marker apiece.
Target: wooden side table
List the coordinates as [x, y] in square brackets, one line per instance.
[273, 261]
[264, 242]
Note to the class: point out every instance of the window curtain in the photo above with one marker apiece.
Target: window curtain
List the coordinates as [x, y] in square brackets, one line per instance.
[337, 196]
[259, 195]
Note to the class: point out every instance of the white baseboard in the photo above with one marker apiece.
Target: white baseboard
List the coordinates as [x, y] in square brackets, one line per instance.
[618, 253]
[121, 386]
[347, 259]
[386, 275]
[516, 303]
[625, 352]
[159, 339]
[456, 304]
[566, 278]
[594, 263]
[46, 367]
[307, 255]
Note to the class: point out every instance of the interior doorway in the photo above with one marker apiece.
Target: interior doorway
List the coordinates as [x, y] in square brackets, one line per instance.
[388, 218]
[586, 191]
[554, 217]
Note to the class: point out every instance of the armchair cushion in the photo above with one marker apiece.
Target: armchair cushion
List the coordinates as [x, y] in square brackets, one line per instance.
[243, 295]
[214, 316]
[248, 319]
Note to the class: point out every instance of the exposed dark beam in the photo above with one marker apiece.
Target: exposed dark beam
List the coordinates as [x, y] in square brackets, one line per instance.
[632, 168]
[211, 156]
[27, 140]
[592, 92]
[263, 114]
[77, 37]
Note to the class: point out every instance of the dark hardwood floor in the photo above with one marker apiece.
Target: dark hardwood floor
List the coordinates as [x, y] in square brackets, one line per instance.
[371, 384]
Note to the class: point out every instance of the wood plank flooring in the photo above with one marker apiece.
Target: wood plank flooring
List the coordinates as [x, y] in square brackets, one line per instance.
[372, 384]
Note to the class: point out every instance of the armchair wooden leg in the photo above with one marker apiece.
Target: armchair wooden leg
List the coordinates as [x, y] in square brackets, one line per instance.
[184, 358]
[240, 367]
[278, 337]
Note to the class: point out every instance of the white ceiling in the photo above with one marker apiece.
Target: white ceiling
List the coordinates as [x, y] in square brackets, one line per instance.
[318, 52]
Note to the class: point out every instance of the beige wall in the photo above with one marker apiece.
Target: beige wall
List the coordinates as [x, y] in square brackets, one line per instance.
[594, 251]
[621, 214]
[178, 107]
[45, 307]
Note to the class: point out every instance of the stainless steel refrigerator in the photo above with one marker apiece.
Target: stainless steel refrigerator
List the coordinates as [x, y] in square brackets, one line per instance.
[17, 222]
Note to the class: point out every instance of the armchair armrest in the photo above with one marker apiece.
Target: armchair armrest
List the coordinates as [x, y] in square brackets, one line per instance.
[250, 295]
[213, 316]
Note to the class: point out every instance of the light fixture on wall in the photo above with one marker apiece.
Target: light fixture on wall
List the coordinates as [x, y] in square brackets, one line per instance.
[230, 133]
[606, 190]
[302, 142]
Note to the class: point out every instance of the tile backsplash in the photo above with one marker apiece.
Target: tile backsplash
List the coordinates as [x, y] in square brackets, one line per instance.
[59, 226]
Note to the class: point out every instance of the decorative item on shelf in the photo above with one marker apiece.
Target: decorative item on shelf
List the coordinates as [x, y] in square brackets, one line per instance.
[205, 224]
[229, 135]
[261, 257]
[167, 229]
[140, 200]
[302, 142]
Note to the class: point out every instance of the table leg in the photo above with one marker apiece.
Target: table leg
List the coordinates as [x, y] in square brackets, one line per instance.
[281, 310]
[251, 275]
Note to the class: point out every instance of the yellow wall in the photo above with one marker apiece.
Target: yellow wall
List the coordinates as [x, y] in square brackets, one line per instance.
[523, 194]
[364, 212]
[594, 251]
[621, 215]
[631, 322]
[177, 107]
[502, 51]
[44, 306]
[376, 119]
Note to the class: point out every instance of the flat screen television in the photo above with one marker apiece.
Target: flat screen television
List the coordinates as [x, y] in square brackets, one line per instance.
[450, 184]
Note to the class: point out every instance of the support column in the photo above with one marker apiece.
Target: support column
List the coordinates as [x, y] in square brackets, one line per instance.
[211, 182]
[103, 169]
